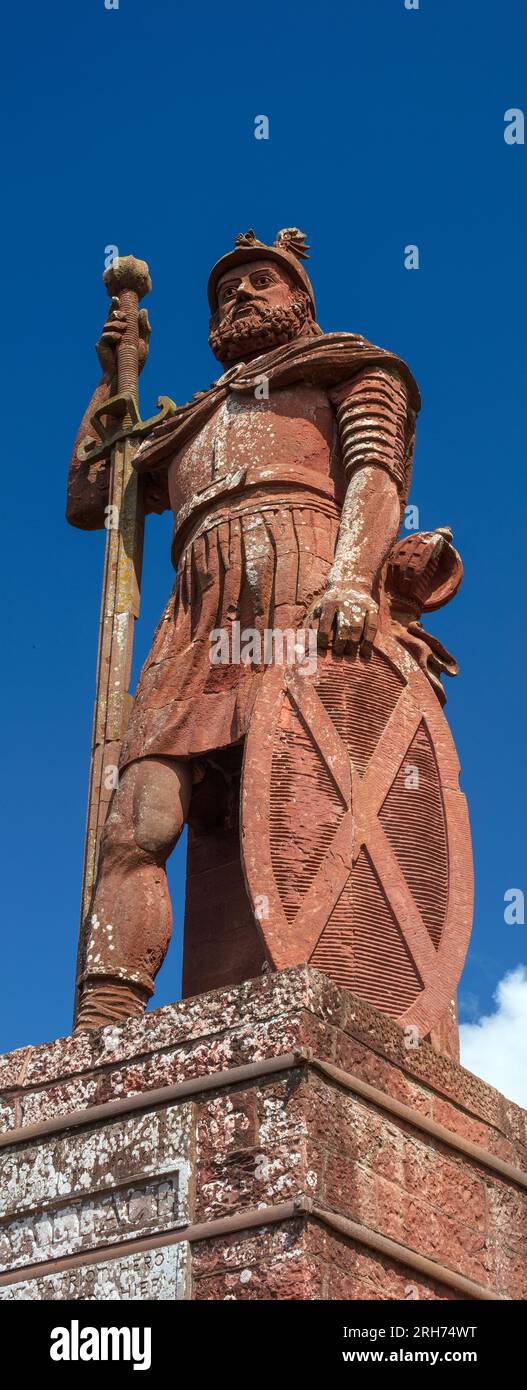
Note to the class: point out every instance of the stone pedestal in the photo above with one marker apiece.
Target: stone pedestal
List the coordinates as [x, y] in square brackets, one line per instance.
[276, 1140]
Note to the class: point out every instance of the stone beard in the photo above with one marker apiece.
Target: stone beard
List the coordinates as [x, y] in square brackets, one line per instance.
[259, 327]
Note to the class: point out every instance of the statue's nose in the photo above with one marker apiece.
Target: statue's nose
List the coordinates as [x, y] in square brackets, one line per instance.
[244, 291]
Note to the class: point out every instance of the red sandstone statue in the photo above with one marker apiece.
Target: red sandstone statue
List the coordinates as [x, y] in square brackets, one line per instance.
[288, 482]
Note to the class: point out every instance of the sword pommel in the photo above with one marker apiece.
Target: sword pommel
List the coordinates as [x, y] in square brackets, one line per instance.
[127, 273]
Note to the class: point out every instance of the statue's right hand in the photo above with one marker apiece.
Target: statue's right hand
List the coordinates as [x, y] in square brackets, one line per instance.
[111, 335]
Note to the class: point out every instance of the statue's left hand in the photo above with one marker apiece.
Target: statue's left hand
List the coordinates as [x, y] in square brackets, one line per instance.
[346, 615]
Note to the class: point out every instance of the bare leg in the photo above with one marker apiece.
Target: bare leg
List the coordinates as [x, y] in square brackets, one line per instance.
[131, 917]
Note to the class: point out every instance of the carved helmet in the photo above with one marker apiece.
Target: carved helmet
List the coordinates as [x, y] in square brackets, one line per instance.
[289, 249]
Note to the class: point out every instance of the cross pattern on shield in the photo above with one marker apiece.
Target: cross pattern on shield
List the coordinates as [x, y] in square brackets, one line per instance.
[355, 834]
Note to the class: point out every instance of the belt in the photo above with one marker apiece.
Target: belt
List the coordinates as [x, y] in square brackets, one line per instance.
[242, 484]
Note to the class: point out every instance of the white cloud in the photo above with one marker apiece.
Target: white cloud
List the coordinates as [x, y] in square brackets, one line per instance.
[495, 1047]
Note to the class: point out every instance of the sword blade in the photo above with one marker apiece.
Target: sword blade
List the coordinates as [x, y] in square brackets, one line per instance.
[119, 610]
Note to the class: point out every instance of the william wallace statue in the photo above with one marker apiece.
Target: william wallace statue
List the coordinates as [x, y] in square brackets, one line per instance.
[349, 845]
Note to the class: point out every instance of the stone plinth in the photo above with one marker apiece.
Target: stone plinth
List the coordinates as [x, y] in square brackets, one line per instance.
[252, 1145]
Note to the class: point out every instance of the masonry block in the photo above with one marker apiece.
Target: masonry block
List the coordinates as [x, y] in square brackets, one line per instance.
[210, 1150]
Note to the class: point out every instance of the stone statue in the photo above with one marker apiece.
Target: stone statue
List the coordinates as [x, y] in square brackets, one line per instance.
[288, 481]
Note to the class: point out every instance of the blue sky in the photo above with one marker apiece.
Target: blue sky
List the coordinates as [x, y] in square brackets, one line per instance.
[134, 127]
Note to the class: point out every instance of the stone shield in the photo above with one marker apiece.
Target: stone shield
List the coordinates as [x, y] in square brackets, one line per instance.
[355, 835]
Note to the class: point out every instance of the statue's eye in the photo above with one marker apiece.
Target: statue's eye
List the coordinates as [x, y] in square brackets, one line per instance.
[261, 281]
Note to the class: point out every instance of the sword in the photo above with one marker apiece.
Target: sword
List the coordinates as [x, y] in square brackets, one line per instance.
[119, 429]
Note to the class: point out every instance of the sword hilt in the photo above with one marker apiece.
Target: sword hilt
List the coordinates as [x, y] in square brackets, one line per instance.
[129, 279]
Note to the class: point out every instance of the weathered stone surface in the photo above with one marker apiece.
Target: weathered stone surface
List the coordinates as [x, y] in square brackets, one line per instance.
[256, 1144]
[254, 1020]
[126, 1178]
[219, 1014]
[141, 1210]
[109, 1155]
[9, 1116]
[161, 1275]
[333, 840]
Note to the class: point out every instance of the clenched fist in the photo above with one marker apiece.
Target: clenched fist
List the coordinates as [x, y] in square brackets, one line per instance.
[111, 335]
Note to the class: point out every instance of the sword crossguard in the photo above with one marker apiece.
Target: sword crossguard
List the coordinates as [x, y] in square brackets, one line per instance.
[117, 406]
[120, 407]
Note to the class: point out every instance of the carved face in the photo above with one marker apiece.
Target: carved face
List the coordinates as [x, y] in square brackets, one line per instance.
[257, 283]
[259, 308]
